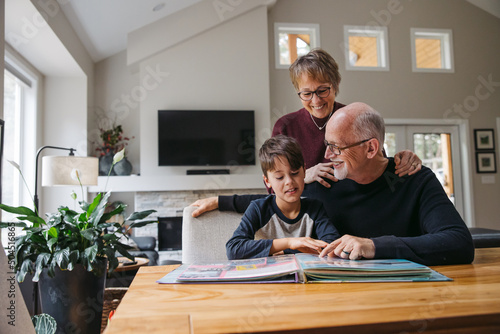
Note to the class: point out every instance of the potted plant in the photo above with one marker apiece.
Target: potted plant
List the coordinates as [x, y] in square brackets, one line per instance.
[113, 141]
[69, 253]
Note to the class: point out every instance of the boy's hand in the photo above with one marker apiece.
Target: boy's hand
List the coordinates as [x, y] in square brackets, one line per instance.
[350, 247]
[205, 205]
[303, 244]
[319, 173]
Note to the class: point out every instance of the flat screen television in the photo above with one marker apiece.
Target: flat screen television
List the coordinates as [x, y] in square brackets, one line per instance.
[206, 137]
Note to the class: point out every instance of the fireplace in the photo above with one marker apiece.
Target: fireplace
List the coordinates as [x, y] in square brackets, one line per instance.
[169, 233]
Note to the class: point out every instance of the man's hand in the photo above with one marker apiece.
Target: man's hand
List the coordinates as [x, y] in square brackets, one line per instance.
[319, 173]
[205, 205]
[350, 247]
[302, 244]
[407, 162]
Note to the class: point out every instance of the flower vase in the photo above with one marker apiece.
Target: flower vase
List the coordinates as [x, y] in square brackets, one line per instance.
[123, 167]
[105, 163]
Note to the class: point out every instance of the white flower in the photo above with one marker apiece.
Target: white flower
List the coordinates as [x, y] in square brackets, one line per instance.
[118, 156]
[16, 166]
[76, 174]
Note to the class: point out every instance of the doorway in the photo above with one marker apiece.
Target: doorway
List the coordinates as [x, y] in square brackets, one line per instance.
[440, 149]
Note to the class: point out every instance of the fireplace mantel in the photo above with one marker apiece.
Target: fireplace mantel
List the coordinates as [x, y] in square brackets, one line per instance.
[177, 182]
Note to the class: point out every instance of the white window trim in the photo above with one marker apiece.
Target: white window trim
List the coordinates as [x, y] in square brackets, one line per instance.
[382, 46]
[30, 77]
[295, 28]
[466, 159]
[446, 37]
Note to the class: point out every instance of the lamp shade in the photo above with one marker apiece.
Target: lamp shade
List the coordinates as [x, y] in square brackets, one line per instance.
[60, 170]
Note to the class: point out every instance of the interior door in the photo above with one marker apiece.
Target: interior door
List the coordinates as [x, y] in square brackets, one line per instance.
[438, 147]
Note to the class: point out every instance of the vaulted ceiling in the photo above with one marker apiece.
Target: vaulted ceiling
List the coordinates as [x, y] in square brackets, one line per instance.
[103, 25]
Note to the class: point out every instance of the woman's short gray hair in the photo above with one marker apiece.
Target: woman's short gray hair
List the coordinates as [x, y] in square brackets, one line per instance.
[319, 65]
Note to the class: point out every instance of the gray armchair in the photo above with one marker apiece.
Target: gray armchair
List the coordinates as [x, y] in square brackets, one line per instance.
[146, 247]
[204, 238]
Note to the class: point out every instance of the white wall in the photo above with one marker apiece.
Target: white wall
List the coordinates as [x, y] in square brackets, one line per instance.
[65, 124]
[114, 82]
[67, 94]
[225, 67]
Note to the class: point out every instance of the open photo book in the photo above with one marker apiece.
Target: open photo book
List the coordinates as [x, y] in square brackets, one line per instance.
[303, 268]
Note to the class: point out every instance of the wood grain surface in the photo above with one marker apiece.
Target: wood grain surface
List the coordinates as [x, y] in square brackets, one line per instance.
[470, 303]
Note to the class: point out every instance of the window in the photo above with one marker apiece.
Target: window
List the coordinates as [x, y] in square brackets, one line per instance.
[19, 137]
[432, 50]
[366, 48]
[438, 146]
[293, 40]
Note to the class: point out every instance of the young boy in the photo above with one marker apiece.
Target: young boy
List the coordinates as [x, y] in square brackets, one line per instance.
[282, 222]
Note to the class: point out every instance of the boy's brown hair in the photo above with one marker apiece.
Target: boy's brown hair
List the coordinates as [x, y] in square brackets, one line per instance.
[278, 147]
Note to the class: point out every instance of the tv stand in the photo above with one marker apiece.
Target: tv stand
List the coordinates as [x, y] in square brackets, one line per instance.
[206, 171]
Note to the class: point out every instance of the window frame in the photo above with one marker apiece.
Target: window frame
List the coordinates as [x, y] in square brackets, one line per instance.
[447, 56]
[29, 81]
[311, 29]
[381, 34]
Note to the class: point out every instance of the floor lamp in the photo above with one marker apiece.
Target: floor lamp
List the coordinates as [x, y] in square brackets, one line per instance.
[56, 171]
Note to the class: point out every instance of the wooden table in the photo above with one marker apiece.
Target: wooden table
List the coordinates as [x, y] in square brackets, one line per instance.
[469, 304]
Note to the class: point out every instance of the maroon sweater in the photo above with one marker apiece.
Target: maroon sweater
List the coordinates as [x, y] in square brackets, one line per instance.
[299, 125]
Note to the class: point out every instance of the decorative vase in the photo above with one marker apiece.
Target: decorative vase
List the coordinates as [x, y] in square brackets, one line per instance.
[105, 163]
[74, 298]
[123, 167]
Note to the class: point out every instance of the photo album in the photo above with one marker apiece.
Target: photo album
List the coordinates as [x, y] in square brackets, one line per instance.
[303, 268]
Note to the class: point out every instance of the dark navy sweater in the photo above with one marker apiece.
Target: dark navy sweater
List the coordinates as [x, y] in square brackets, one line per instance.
[409, 218]
[263, 221]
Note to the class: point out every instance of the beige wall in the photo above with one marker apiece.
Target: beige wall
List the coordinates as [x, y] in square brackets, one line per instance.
[399, 93]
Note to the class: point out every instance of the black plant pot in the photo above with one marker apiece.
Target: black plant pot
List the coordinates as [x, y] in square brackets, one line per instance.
[105, 163]
[74, 298]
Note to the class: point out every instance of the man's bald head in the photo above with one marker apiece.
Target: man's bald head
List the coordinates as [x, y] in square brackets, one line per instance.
[358, 121]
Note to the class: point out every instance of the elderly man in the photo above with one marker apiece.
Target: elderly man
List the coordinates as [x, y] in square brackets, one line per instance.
[379, 214]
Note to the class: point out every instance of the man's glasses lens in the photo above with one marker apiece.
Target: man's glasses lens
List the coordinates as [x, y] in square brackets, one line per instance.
[333, 148]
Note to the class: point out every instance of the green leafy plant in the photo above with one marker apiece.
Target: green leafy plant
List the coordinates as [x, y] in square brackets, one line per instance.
[67, 238]
[44, 324]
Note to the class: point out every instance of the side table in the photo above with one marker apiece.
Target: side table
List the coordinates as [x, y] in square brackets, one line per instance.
[123, 275]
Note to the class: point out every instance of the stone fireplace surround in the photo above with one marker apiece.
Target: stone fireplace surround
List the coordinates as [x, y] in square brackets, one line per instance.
[172, 204]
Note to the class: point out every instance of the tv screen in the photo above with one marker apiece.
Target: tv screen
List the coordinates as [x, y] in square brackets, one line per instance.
[206, 137]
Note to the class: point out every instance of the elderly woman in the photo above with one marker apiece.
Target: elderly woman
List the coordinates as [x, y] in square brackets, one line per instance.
[316, 79]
